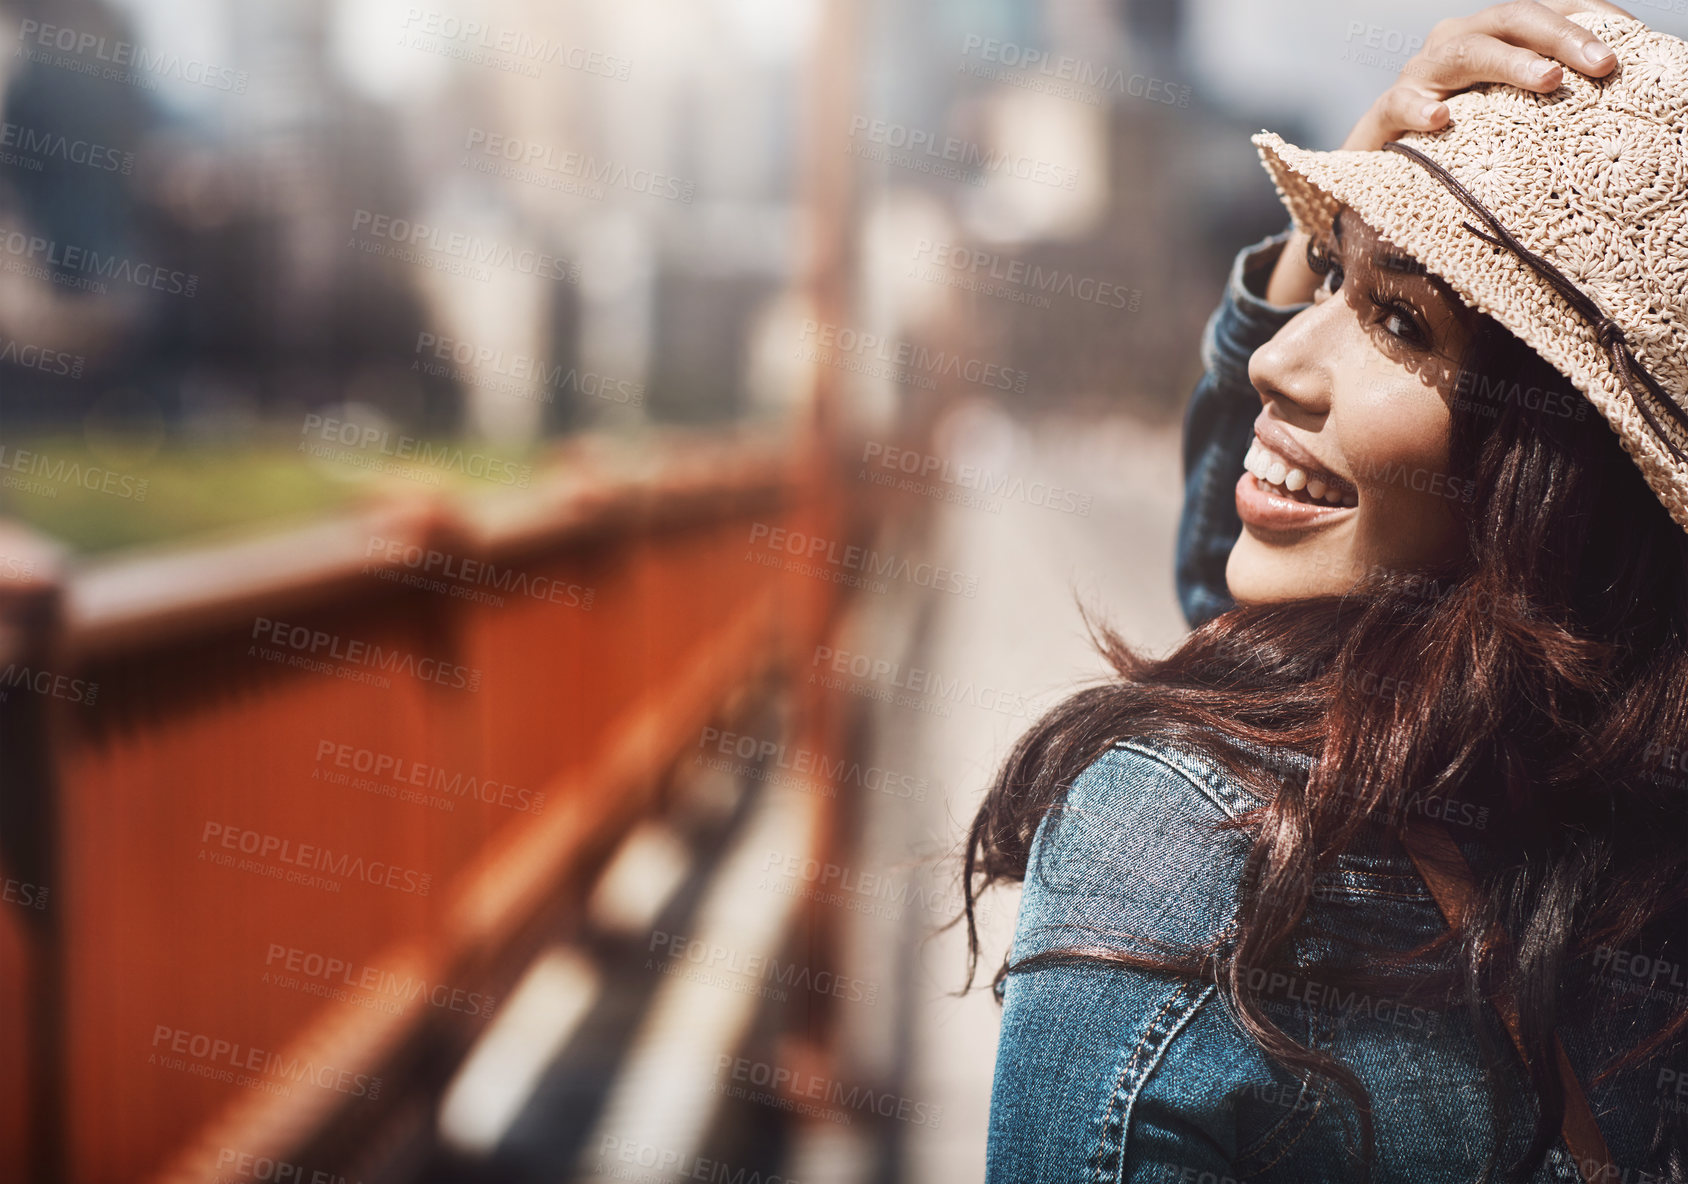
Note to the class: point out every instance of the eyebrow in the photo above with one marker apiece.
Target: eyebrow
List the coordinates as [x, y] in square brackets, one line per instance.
[1398, 262]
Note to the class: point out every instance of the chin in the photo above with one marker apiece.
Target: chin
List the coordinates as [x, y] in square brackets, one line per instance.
[1258, 574]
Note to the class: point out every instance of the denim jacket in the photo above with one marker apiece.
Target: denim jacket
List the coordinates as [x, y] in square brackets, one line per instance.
[1113, 1074]
[1218, 425]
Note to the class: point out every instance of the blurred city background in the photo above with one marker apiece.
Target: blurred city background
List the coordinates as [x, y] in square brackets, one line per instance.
[525, 529]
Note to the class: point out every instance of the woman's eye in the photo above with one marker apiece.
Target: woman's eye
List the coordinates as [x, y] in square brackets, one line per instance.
[1322, 263]
[1399, 323]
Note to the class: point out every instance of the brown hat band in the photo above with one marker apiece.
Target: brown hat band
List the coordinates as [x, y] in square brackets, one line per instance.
[1643, 388]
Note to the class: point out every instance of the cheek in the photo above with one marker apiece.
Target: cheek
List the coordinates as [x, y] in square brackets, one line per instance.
[1394, 433]
[1390, 422]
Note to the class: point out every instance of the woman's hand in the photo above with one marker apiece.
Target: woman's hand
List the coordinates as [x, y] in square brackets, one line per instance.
[1527, 43]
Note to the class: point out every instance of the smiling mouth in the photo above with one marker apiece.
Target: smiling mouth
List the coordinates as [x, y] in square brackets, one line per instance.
[1280, 477]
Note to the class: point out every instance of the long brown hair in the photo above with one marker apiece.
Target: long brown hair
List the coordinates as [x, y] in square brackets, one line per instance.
[1539, 679]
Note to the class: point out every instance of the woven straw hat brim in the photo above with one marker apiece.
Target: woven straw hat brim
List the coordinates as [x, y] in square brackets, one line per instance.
[1408, 206]
[1404, 204]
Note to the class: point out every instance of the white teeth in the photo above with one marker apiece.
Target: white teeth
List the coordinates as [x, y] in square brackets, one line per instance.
[1275, 470]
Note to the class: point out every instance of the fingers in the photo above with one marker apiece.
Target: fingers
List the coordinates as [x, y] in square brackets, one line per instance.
[1523, 43]
[1400, 109]
[1406, 108]
[1567, 7]
[1470, 58]
[1545, 30]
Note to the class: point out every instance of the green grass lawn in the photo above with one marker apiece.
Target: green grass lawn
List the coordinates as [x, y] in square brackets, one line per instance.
[95, 502]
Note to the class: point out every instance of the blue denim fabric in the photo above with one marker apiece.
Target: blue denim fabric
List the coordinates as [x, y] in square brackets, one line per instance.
[1218, 424]
[1112, 1074]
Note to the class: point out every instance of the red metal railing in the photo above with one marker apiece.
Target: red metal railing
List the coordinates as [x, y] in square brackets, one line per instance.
[356, 743]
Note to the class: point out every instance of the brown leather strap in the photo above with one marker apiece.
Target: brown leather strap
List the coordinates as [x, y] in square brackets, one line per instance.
[1448, 876]
[1644, 390]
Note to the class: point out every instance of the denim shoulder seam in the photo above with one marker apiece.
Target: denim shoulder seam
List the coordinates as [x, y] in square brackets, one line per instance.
[1201, 775]
[1176, 1011]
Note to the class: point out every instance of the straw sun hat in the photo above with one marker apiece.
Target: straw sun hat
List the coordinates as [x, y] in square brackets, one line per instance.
[1562, 216]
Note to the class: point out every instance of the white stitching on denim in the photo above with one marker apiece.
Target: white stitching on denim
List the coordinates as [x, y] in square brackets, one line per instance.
[1259, 1147]
[1203, 781]
[1098, 1157]
[1154, 1042]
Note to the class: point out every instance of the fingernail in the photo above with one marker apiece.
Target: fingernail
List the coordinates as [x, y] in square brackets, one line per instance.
[1544, 67]
[1429, 111]
[1597, 54]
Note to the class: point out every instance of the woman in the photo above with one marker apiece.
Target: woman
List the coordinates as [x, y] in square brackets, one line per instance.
[1383, 873]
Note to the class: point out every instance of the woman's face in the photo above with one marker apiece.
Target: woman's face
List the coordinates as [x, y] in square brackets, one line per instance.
[1348, 471]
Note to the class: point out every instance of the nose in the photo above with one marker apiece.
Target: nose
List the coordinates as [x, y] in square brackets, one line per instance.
[1293, 369]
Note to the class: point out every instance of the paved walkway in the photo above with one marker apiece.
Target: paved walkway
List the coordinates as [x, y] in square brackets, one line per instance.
[1020, 635]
